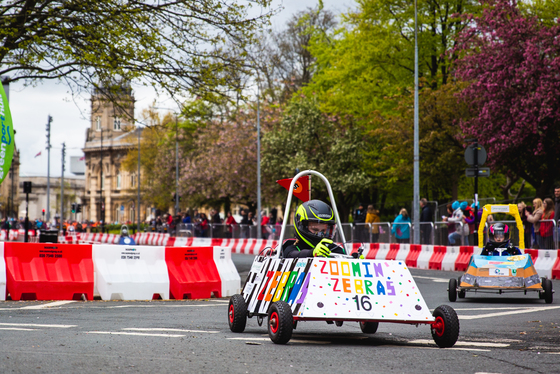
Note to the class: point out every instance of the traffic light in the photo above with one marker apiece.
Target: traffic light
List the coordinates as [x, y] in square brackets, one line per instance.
[78, 208]
[73, 207]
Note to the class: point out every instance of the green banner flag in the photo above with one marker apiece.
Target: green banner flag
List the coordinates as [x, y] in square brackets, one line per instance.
[7, 142]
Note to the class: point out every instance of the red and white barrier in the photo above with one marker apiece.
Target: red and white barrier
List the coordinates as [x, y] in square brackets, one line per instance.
[426, 253]
[231, 281]
[130, 272]
[450, 258]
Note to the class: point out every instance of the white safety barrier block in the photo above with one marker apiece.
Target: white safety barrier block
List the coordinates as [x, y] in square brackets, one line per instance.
[182, 242]
[229, 276]
[404, 249]
[545, 262]
[130, 272]
[3, 274]
[425, 256]
[201, 242]
[383, 251]
[451, 255]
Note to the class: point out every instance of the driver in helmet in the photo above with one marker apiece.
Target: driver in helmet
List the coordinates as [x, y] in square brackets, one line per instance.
[314, 225]
[125, 239]
[499, 243]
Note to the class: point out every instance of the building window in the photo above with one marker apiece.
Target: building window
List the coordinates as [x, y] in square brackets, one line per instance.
[98, 123]
[117, 124]
[103, 182]
[118, 180]
[133, 180]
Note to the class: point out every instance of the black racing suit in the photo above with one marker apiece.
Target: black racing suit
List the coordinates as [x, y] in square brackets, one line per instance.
[301, 249]
[491, 249]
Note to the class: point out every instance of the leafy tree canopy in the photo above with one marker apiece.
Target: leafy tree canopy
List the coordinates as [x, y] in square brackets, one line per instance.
[178, 46]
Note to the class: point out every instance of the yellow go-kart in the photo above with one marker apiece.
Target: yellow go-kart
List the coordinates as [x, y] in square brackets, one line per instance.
[500, 274]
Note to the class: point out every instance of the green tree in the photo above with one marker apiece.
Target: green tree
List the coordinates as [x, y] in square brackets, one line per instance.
[305, 138]
[177, 46]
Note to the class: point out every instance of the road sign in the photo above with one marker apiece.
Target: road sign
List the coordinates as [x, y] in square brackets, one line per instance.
[122, 208]
[469, 154]
[482, 172]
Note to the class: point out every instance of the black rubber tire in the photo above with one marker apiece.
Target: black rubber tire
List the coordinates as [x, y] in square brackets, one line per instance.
[237, 313]
[452, 292]
[280, 322]
[461, 294]
[547, 286]
[446, 329]
[369, 327]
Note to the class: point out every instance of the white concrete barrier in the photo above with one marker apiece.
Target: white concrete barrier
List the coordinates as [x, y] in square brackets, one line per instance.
[130, 272]
[451, 254]
[424, 258]
[403, 252]
[545, 262]
[229, 276]
[383, 251]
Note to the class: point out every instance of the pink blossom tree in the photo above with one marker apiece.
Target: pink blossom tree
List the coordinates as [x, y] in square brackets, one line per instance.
[512, 64]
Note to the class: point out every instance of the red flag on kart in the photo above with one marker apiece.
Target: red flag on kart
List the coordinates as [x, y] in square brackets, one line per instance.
[301, 188]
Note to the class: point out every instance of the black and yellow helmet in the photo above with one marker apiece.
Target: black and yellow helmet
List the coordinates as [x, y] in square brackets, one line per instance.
[318, 212]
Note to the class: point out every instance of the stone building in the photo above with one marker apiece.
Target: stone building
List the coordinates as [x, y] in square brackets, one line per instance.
[110, 191]
[73, 193]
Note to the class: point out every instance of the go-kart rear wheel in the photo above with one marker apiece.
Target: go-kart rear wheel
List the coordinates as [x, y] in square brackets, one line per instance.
[461, 294]
[237, 313]
[445, 330]
[452, 290]
[547, 287]
[280, 322]
[369, 327]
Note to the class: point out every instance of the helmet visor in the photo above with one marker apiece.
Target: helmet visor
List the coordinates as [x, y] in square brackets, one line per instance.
[321, 229]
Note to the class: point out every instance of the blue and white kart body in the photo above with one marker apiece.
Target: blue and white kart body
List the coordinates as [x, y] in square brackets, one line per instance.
[335, 289]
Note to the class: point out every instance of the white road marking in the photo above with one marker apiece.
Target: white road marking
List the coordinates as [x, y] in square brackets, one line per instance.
[160, 306]
[521, 311]
[36, 325]
[437, 280]
[16, 329]
[500, 308]
[133, 333]
[49, 305]
[165, 329]
[464, 344]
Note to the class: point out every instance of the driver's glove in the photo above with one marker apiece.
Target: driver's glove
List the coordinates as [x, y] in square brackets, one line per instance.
[321, 249]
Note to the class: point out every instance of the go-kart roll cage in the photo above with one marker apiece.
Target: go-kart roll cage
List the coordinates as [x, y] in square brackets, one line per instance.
[289, 202]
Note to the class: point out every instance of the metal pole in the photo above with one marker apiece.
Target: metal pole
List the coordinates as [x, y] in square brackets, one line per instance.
[259, 218]
[138, 181]
[49, 167]
[62, 190]
[476, 191]
[176, 165]
[416, 197]
[101, 205]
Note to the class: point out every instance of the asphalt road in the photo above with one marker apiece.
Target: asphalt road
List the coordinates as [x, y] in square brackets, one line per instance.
[499, 334]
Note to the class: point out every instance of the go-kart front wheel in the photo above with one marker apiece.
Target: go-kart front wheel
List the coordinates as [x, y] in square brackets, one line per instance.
[547, 287]
[369, 327]
[445, 330]
[280, 322]
[237, 313]
[452, 290]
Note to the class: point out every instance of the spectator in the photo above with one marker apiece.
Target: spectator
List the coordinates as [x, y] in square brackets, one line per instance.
[468, 220]
[535, 219]
[277, 230]
[204, 225]
[274, 216]
[359, 222]
[372, 217]
[230, 222]
[527, 226]
[216, 217]
[244, 223]
[425, 220]
[457, 218]
[250, 222]
[264, 225]
[401, 227]
[547, 228]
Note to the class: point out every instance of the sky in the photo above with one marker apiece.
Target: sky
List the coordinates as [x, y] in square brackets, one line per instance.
[30, 107]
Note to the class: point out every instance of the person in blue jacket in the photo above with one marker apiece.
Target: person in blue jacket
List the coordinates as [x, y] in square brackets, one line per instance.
[401, 229]
[499, 243]
[125, 239]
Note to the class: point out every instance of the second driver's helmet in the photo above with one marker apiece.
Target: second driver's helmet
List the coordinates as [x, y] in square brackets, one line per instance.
[314, 212]
[498, 235]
